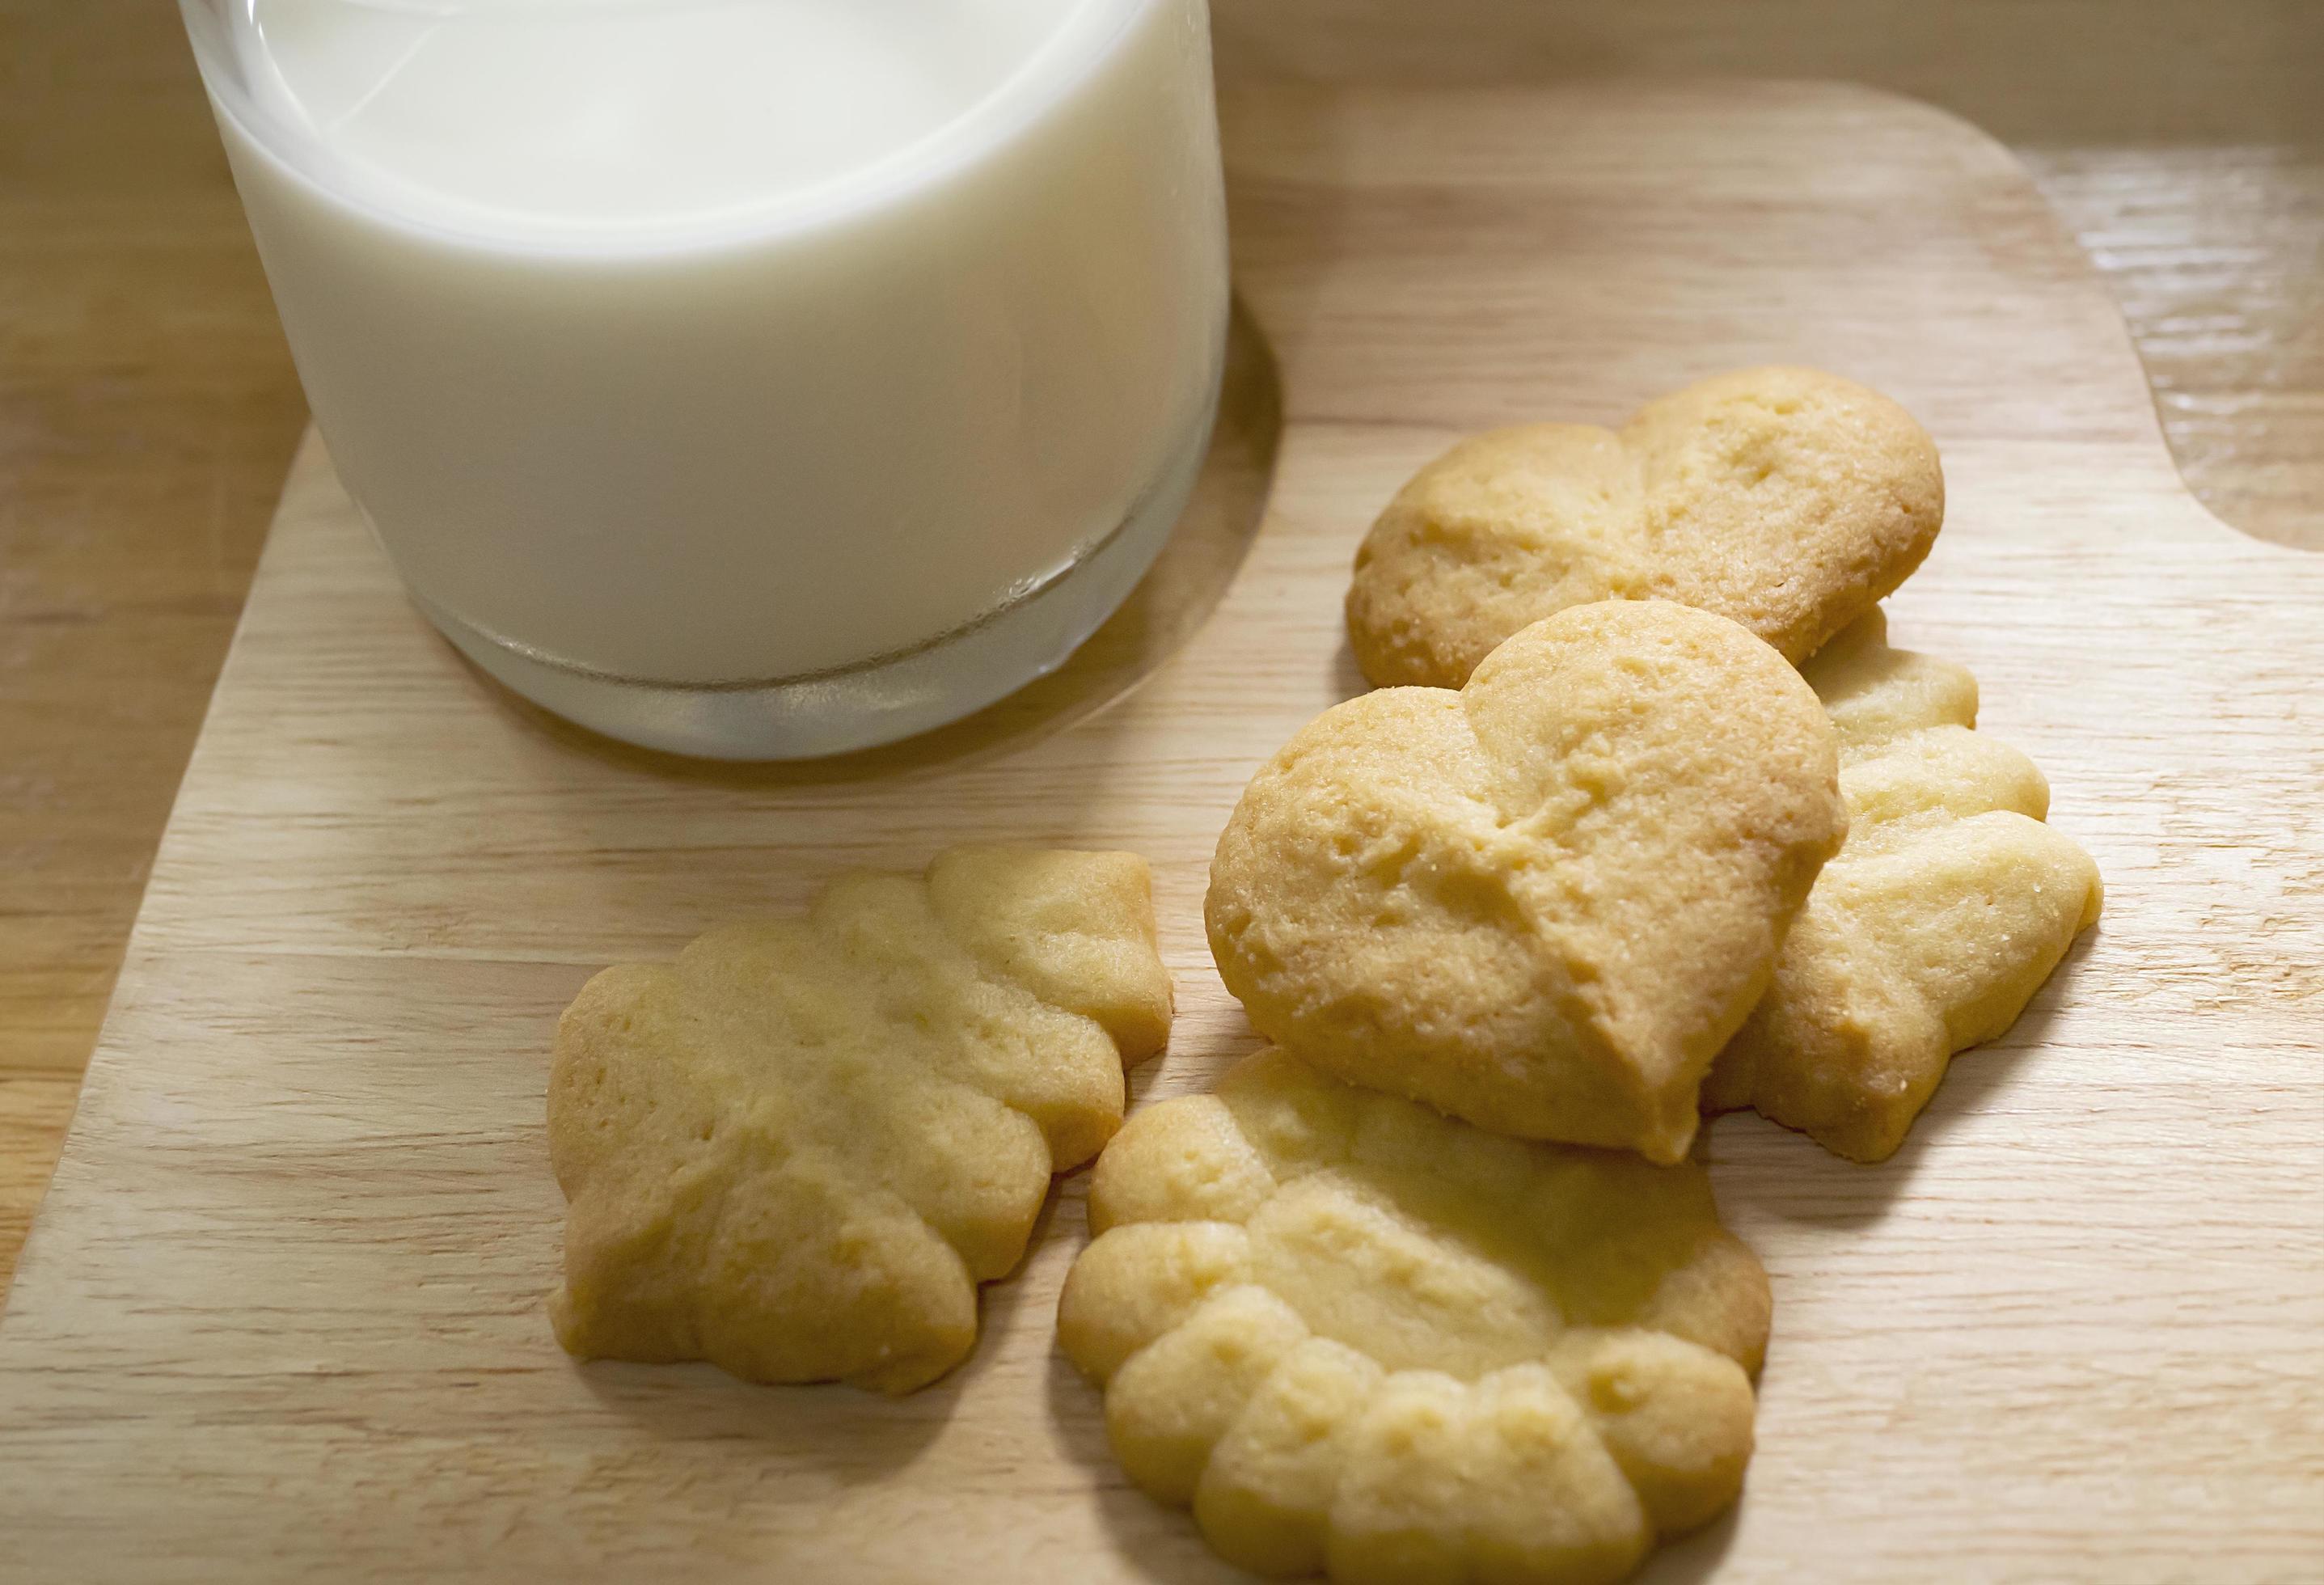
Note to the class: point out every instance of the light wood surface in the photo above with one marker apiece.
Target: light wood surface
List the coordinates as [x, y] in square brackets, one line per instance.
[2182, 141]
[147, 413]
[282, 1315]
[148, 407]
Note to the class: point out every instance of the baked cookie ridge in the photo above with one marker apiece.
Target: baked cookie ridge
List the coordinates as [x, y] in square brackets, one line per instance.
[1948, 907]
[1358, 1336]
[795, 1150]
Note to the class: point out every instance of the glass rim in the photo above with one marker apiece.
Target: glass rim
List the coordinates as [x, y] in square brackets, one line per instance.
[1088, 35]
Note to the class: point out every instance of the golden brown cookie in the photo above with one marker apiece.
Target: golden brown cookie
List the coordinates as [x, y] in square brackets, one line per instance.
[1358, 1336]
[1544, 902]
[796, 1151]
[1942, 915]
[1788, 500]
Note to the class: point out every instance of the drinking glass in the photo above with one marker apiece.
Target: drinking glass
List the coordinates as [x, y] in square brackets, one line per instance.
[699, 431]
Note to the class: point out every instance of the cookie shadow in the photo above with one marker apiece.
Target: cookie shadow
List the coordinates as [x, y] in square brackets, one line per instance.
[1776, 1171]
[1348, 677]
[845, 1433]
[1696, 1556]
[1150, 1542]
[848, 1435]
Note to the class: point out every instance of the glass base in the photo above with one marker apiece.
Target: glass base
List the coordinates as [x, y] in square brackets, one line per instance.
[877, 701]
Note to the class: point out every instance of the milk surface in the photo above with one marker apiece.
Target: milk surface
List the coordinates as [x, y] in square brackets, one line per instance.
[716, 341]
[622, 114]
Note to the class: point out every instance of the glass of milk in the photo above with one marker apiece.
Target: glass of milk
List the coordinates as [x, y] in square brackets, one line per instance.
[745, 378]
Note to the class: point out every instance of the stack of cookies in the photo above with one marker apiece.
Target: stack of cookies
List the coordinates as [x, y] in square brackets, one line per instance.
[1645, 819]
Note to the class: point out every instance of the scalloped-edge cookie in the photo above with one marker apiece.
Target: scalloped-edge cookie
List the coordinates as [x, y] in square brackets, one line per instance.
[1544, 902]
[798, 1150]
[1788, 500]
[1356, 1335]
[1947, 909]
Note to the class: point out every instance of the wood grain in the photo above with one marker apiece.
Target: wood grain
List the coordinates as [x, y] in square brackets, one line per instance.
[2216, 255]
[281, 1314]
[2181, 143]
[147, 411]
[148, 407]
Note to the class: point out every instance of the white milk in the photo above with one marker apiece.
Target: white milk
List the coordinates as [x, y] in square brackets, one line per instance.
[698, 342]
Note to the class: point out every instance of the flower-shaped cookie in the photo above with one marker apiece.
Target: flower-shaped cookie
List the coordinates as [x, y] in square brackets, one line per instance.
[795, 1150]
[1786, 499]
[1361, 1336]
[1948, 907]
[1544, 902]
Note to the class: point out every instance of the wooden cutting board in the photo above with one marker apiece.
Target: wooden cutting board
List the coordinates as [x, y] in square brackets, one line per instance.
[281, 1314]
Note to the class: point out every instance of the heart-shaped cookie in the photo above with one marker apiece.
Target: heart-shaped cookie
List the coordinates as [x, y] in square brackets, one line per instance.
[1544, 901]
[1789, 500]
